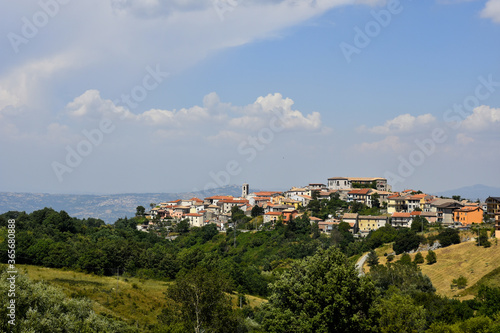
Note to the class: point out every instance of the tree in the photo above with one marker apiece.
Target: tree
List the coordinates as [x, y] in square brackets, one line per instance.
[448, 237]
[405, 259]
[372, 258]
[456, 197]
[322, 293]
[460, 282]
[182, 227]
[200, 302]
[140, 211]
[419, 224]
[419, 258]
[399, 313]
[407, 241]
[375, 200]
[407, 278]
[431, 257]
[482, 239]
[257, 211]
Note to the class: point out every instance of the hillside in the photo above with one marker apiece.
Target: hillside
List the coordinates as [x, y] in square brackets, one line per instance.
[467, 259]
[473, 192]
[108, 208]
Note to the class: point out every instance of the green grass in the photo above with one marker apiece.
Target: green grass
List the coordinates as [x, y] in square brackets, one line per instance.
[136, 301]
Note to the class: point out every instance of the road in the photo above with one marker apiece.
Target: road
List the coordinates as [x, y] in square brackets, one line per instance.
[360, 263]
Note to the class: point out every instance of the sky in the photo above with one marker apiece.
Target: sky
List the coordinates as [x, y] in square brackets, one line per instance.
[129, 96]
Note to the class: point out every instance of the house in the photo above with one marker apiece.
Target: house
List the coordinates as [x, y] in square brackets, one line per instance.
[195, 220]
[415, 201]
[178, 212]
[362, 195]
[445, 211]
[228, 204]
[468, 215]
[294, 191]
[429, 216]
[401, 220]
[272, 217]
[396, 203]
[380, 183]
[339, 183]
[367, 223]
[350, 218]
[492, 206]
[316, 187]
[497, 225]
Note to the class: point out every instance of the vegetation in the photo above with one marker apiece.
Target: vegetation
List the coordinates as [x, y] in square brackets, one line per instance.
[206, 281]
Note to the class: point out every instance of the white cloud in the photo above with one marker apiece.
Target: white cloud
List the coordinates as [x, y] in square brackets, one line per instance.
[402, 124]
[482, 118]
[390, 143]
[463, 139]
[492, 10]
[214, 119]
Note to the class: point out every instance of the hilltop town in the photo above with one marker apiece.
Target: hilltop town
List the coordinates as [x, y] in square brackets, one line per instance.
[369, 204]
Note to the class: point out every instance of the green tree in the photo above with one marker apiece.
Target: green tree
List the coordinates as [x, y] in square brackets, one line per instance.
[407, 278]
[460, 282]
[375, 200]
[431, 257]
[182, 227]
[372, 258]
[405, 259]
[419, 224]
[322, 293]
[448, 237]
[407, 241]
[200, 303]
[257, 211]
[419, 258]
[140, 211]
[482, 239]
[399, 313]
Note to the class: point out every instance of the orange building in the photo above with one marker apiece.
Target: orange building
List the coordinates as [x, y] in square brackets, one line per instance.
[468, 215]
[497, 225]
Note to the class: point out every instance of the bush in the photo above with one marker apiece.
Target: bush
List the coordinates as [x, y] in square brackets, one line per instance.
[448, 237]
[407, 241]
[460, 283]
[419, 258]
[431, 257]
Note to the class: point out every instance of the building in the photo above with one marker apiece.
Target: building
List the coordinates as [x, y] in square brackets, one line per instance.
[339, 183]
[401, 220]
[468, 215]
[493, 206]
[351, 218]
[497, 226]
[445, 212]
[362, 195]
[245, 190]
[367, 223]
[195, 220]
[380, 183]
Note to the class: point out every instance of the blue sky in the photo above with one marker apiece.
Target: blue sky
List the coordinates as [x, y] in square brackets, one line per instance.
[231, 91]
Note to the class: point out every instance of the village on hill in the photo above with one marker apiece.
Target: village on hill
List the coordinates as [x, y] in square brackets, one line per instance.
[363, 198]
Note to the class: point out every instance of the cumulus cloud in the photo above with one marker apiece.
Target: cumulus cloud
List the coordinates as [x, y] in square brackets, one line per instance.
[463, 139]
[390, 143]
[492, 10]
[482, 118]
[402, 124]
[216, 119]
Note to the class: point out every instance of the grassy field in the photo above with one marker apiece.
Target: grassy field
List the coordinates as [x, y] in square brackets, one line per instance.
[477, 264]
[136, 301]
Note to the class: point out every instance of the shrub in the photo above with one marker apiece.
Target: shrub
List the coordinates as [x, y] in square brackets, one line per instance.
[431, 257]
[419, 258]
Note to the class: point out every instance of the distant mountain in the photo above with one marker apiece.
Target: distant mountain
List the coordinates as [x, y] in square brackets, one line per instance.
[472, 192]
[106, 207]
